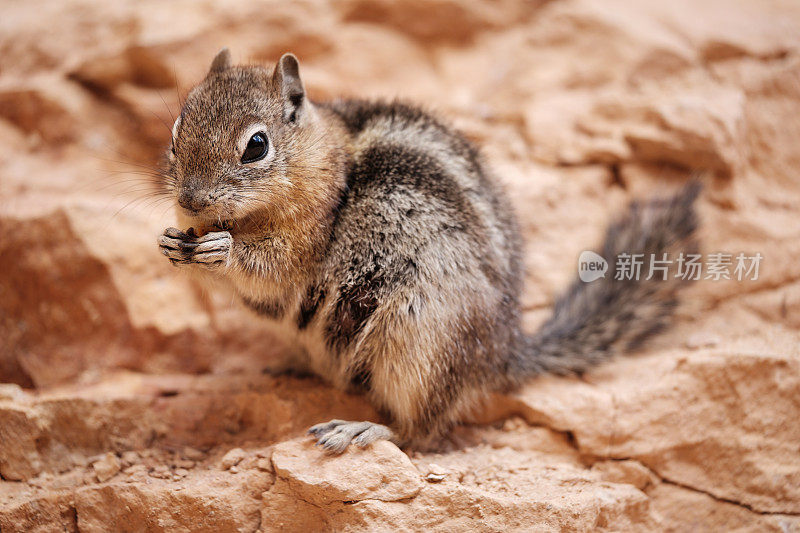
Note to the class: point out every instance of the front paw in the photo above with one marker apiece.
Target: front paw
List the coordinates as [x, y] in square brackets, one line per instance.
[212, 250]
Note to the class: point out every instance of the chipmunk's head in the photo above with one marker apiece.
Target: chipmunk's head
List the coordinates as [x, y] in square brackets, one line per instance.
[249, 141]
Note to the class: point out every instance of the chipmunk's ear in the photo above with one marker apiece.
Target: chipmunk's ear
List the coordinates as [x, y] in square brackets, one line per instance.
[287, 79]
[221, 62]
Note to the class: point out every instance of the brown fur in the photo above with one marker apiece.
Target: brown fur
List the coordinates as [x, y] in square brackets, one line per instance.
[373, 238]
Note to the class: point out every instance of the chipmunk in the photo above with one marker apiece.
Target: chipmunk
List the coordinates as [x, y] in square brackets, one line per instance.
[373, 237]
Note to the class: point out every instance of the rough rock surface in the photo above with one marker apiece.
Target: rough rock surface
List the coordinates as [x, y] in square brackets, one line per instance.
[132, 400]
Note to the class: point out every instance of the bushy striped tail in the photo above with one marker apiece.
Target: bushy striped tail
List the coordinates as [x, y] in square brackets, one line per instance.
[596, 319]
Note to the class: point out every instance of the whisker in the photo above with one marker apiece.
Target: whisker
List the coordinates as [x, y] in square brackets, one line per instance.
[168, 109]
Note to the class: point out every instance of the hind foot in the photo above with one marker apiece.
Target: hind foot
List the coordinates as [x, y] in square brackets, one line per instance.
[336, 435]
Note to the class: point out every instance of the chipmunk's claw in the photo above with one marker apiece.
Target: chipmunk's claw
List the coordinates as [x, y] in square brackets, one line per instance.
[335, 436]
[212, 250]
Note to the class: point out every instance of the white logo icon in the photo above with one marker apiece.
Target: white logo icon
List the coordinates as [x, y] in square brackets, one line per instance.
[591, 266]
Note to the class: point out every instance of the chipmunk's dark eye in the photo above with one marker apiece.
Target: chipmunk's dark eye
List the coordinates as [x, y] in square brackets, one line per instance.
[256, 148]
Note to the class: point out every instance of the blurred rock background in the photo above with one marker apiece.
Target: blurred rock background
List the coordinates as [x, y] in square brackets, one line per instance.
[133, 400]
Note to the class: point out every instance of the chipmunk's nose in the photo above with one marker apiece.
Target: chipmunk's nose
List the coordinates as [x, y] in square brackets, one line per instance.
[191, 199]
